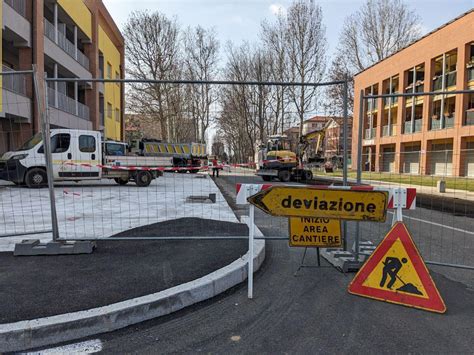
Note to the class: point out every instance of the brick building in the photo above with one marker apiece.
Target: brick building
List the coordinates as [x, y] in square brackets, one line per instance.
[431, 135]
[63, 38]
[334, 139]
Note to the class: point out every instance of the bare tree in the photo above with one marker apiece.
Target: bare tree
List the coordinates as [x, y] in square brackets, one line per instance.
[274, 39]
[377, 30]
[201, 58]
[306, 42]
[153, 50]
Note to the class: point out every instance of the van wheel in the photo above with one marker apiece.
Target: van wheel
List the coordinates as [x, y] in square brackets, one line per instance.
[121, 181]
[143, 178]
[284, 175]
[35, 178]
[308, 175]
[266, 178]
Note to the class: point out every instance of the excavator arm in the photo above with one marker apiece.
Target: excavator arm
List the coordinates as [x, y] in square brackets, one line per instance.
[306, 139]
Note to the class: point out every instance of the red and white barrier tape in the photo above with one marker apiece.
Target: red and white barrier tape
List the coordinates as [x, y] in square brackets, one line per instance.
[159, 168]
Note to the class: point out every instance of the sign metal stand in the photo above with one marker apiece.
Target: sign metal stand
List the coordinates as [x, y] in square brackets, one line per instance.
[302, 265]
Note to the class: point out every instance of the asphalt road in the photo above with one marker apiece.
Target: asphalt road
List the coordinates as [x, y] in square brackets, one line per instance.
[312, 312]
[41, 286]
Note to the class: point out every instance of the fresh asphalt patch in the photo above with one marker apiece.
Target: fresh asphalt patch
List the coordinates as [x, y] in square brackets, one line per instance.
[41, 286]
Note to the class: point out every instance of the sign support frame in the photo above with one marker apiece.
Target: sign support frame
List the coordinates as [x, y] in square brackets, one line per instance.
[302, 265]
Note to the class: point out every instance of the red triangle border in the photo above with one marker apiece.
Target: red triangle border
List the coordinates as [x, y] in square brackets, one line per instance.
[434, 302]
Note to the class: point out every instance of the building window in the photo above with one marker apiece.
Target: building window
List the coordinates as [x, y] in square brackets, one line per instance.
[446, 71]
[470, 110]
[109, 70]
[470, 64]
[109, 110]
[117, 77]
[117, 115]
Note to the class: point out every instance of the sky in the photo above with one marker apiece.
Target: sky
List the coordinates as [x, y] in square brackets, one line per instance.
[239, 20]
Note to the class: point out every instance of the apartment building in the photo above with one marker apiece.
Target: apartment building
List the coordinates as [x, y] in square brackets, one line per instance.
[432, 135]
[63, 39]
[315, 123]
[334, 138]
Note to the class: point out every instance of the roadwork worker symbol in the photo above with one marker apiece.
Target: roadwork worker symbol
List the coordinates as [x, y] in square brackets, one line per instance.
[391, 267]
[395, 272]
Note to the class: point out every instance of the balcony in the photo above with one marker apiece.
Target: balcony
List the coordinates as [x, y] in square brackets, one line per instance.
[389, 130]
[18, 5]
[14, 82]
[67, 104]
[65, 44]
[370, 133]
[408, 129]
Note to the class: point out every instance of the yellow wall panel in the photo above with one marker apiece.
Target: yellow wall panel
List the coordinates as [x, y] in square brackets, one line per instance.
[111, 90]
[79, 12]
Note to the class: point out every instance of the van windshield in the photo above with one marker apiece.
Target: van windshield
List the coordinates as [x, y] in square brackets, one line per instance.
[32, 142]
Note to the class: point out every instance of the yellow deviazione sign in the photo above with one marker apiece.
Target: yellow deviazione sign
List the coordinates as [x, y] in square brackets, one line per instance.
[296, 201]
[315, 232]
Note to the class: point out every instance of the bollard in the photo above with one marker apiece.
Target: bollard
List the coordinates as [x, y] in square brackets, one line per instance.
[441, 186]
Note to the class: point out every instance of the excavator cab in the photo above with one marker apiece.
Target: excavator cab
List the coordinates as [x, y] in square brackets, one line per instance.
[277, 153]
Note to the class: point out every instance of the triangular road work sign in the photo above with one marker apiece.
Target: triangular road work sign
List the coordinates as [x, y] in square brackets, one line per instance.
[396, 273]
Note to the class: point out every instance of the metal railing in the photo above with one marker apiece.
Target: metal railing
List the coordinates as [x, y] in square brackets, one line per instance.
[17, 5]
[371, 105]
[470, 74]
[435, 124]
[65, 44]
[450, 80]
[370, 133]
[15, 83]
[449, 121]
[469, 118]
[67, 104]
[390, 101]
[408, 127]
[389, 130]
[418, 88]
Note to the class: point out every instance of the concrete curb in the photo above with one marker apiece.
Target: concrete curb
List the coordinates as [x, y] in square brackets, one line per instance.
[65, 327]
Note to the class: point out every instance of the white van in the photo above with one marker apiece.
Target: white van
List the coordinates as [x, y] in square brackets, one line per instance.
[79, 155]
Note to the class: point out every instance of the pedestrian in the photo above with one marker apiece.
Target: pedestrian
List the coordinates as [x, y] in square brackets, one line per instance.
[215, 169]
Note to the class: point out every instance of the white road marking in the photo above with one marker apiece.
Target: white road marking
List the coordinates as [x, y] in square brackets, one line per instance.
[84, 347]
[437, 224]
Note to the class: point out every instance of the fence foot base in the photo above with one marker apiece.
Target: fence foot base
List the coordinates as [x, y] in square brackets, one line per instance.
[34, 247]
[342, 260]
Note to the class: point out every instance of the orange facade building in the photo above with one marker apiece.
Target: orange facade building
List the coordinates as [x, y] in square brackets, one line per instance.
[429, 135]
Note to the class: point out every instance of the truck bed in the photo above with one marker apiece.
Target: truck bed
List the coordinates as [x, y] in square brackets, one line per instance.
[135, 160]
